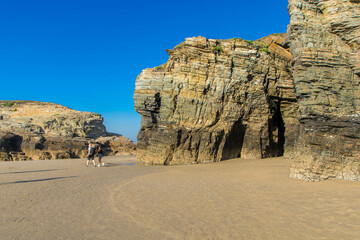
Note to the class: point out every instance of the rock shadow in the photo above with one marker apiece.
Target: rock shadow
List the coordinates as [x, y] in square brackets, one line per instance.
[234, 142]
[276, 134]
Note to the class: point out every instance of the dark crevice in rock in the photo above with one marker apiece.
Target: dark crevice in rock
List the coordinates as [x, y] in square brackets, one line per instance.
[234, 141]
[11, 142]
[155, 112]
[278, 132]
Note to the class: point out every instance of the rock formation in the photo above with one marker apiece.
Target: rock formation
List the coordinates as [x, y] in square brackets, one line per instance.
[300, 97]
[38, 130]
[324, 39]
[217, 99]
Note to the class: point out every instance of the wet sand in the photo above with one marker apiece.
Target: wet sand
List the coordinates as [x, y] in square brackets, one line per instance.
[235, 199]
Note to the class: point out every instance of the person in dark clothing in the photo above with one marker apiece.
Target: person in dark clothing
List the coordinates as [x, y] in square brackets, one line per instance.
[100, 155]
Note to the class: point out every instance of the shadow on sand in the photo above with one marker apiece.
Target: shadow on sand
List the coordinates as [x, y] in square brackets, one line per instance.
[38, 180]
[33, 171]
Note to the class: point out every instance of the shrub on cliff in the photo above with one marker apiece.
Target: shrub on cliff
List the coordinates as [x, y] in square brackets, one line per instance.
[8, 104]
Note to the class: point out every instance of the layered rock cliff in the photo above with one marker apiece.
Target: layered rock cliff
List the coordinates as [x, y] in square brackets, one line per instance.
[38, 130]
[324, 39]
[300, 97]
[217, 99]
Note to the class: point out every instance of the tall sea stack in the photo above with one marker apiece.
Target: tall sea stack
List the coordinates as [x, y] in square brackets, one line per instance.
[324, 39]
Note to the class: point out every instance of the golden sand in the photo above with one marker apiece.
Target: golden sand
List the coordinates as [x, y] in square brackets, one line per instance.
[236, 199]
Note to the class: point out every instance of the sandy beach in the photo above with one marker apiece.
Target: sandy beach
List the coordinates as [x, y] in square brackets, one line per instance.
[235, 199]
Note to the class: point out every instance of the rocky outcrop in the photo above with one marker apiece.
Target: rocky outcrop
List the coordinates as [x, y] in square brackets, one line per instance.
[217, 99]
[324, 39]
[220, 99]
[50, 119]
[115, 144]
[38, 130]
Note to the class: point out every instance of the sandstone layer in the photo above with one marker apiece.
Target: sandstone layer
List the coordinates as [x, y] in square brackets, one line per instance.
[218, 99]
[38, 130]
[324, 39]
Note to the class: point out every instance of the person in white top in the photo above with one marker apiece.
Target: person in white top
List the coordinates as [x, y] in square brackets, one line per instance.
[91, 154]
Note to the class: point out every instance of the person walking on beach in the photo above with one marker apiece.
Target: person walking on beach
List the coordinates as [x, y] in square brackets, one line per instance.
[100, 155]
[91, 154]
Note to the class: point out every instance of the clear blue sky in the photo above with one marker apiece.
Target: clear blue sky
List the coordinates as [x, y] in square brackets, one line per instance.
[86, 54]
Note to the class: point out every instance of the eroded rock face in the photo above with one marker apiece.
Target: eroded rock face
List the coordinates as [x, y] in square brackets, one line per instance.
[38, 130]
[218, 99]
[324, 39]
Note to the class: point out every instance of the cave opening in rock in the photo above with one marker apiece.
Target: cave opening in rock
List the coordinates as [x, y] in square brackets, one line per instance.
[15, 143]
[277, 133]
[234, 141]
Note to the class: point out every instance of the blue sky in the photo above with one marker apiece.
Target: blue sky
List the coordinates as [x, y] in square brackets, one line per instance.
[86, 54]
